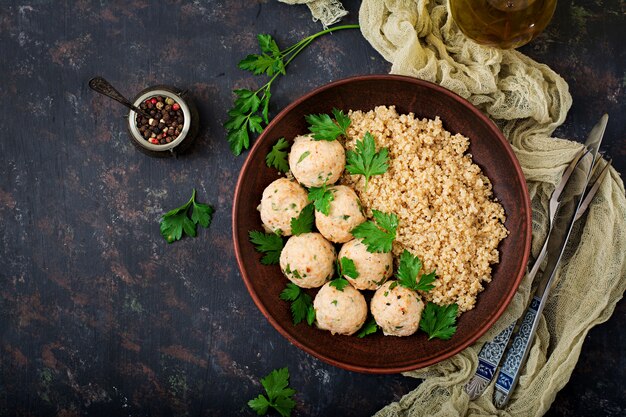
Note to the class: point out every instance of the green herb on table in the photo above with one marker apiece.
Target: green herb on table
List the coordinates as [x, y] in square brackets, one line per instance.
[270, 244]
[410, 266]
[251, 107]
[301, 304]
[379, 236]
[439, 321]
[175, 222]
[279, 395]
[277, 157]
[364, 160]
[368, 328]
[324, 128]
[321, 198]
[304, 222]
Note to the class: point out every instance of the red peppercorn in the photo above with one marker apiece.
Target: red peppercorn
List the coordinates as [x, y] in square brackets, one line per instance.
[154, 141]
[175, 106]
[153, 100]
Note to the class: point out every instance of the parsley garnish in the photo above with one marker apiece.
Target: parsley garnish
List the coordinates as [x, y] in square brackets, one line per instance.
[339, 283]
[408, 270]
[323, 128]
[270, 244]
[348, 268]
[379, 236]
[321, 198]
[279, 395]
[303, 156]
[439, 321]
[250, 112]
[301, 304]
[304, 222]
[277, 157]
[365, 160]
[368, 328]
[174, 222]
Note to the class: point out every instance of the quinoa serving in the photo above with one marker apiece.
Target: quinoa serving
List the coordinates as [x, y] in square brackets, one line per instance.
[447, 214]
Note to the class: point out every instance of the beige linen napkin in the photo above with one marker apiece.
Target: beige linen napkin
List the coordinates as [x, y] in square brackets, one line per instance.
[528, 101]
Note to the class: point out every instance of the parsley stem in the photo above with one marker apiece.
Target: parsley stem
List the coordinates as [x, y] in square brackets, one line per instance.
[329, 30]
[310, 38]
[296, 48]
[192, 199]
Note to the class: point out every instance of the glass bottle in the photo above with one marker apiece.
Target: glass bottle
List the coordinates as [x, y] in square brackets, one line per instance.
[502, 23]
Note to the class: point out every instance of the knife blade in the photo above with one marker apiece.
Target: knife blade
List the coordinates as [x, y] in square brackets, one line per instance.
[570, 203]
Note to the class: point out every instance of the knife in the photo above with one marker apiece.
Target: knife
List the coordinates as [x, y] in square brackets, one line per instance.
[517, 353]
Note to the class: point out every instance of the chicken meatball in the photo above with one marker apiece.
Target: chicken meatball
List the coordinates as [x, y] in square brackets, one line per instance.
[396, 309]
[344, 215]
[282, 200]
[316, 162]
[342, 312]
[308, 260]
[373, 268]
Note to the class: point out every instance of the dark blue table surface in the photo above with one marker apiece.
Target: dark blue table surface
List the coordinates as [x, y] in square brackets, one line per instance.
[98, 315]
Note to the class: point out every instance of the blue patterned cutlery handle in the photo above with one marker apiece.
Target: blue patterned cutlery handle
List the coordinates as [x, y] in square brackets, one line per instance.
[517, 353]
[488, 361]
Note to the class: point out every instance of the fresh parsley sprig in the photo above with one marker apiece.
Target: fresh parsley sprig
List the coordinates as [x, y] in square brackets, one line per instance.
[368, 328]
[304, 222]
[321, 198]
[279, 395]
[175, 222]
[324, 128]
[251, 107]
[301, 304]
[379, 236]
[277, 157]
[410, 266]
[270, 244]
[439, 321]
[364, 160]
[348, 268]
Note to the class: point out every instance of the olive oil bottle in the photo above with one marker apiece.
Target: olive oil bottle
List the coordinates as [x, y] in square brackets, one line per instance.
[502, 23]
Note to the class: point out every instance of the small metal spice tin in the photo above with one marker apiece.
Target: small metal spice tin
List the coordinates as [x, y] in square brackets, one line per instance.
[190, 124]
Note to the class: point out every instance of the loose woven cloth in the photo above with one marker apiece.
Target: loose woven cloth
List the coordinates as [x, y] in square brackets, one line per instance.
[327, 12]
[528, 101]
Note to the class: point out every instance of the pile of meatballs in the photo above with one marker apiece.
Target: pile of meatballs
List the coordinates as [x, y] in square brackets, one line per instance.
[308, 260]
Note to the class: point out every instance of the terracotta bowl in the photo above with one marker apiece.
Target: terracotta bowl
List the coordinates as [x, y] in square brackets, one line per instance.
[378, 353]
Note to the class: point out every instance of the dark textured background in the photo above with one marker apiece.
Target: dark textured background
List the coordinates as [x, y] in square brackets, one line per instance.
[98, 315]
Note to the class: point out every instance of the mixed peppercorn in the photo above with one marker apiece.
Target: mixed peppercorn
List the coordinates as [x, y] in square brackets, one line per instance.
[166, 121]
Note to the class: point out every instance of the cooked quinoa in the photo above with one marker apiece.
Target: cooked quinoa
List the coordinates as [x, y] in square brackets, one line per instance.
[447, 214]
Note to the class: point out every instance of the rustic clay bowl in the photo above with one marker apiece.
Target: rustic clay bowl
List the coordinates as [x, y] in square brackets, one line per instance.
[491, 151]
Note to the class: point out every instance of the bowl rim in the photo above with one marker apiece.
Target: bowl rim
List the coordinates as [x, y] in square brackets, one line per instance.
[486, 324]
